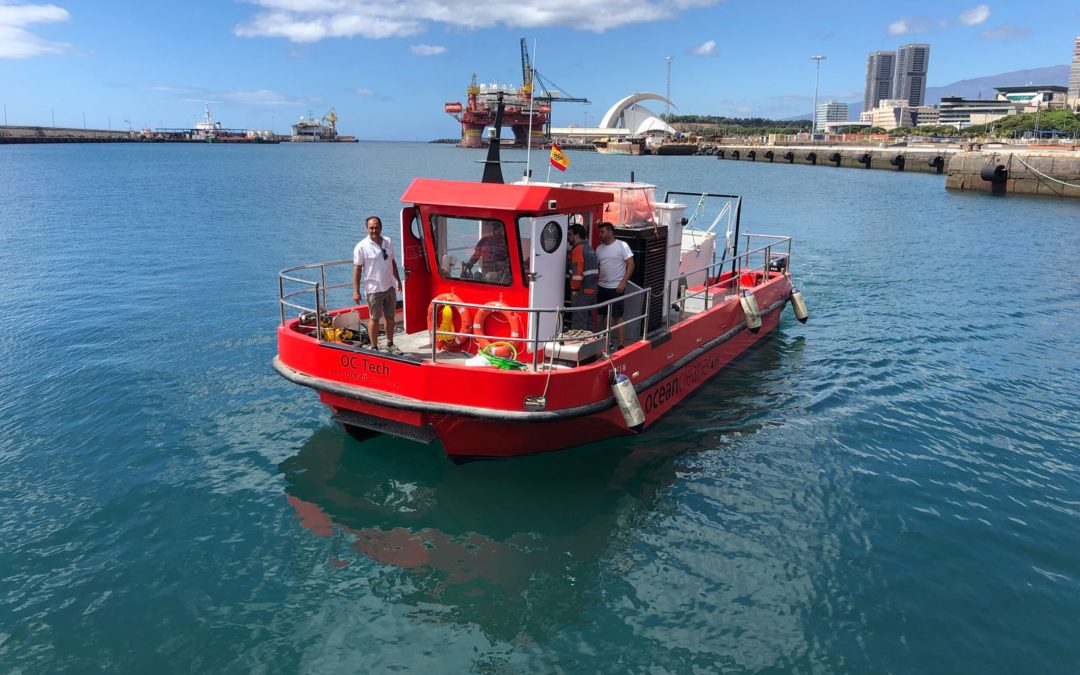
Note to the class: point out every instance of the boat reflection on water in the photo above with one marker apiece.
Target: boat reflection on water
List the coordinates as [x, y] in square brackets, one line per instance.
[516, 548]
[521, 548]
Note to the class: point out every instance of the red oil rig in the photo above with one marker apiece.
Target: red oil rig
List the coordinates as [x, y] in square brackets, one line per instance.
[522, 110]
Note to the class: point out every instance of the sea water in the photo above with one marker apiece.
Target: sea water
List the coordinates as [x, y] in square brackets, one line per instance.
[893, 487]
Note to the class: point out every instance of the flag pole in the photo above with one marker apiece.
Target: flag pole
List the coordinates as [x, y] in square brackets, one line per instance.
[532, 103]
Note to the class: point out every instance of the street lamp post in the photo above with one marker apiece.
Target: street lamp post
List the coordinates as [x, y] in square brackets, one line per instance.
[817, 79]
[667, 89]
[1038, 107]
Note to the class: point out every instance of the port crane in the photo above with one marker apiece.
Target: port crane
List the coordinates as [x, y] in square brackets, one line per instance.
[330, 117]
[531, 77]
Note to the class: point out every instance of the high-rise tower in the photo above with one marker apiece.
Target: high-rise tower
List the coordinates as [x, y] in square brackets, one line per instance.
[1074, 74]
[912, 62]
[879, 78]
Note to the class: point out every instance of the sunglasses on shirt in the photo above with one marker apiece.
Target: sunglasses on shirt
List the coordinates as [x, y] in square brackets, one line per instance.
[384, 256]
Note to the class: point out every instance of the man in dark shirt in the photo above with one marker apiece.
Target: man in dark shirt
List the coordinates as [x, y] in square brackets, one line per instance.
[583, 273]
[492, 255]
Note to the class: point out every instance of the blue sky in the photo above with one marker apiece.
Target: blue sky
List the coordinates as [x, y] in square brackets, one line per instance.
[387, 66]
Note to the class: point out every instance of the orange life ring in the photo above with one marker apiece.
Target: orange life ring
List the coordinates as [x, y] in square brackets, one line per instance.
[464, 322]
[511, 318]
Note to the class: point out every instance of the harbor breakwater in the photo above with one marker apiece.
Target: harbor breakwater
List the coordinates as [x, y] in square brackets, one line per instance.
[32, 134]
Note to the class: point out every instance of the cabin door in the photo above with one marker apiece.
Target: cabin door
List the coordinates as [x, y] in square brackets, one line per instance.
[547, 272]
[416, 278]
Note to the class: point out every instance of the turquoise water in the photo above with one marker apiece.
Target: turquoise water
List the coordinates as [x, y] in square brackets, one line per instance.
[894, 487]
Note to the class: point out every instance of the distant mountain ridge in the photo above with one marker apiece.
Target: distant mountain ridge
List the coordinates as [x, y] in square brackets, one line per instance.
[980, 87]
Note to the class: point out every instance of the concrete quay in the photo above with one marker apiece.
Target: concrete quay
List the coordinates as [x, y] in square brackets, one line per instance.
[895, 158]
[21, 134]
[1010, 170]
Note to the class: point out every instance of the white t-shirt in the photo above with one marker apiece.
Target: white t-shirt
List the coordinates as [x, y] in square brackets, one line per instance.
[612, 260]
[378, 273]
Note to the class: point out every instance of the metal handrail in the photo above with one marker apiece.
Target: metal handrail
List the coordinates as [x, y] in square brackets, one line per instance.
[740, 264]
[534, 340]
[316, 288]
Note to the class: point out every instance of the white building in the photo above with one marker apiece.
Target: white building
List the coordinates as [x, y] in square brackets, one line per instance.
[831, 111]
[626, 118]
[1035, 97]
[961, 113]
[897, 112]
[891, 114]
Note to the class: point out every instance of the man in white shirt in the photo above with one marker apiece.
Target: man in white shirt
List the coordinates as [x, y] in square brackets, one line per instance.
[374, 264]
[616, 262]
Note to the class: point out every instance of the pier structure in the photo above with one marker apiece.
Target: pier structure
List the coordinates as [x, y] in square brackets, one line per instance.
[1010, 170]
[899, 158]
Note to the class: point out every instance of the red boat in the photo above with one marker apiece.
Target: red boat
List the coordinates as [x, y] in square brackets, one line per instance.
[689, 311]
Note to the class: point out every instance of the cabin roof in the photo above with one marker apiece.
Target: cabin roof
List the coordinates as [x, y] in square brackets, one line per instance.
[500, 197]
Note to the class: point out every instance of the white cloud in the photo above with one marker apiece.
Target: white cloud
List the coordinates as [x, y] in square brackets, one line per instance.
[1006, 31]
[18, 43]
[314, 20]
[911, 24]
[707, 48]
[899, 27]
[427, 50]
[975, 15]
[363, 91]
[258, 97]
[254, 97]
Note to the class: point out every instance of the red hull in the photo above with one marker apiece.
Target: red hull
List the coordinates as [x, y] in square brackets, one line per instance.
[485, 419]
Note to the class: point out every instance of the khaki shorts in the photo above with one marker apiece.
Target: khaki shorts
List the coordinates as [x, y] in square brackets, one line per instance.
[382, 304]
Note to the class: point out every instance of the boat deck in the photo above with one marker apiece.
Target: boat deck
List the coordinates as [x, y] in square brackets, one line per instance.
[416, 347]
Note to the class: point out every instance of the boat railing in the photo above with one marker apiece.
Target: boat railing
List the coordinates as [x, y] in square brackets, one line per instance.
[292, 288]
[775, 255]
[306, 289]
[536, 343]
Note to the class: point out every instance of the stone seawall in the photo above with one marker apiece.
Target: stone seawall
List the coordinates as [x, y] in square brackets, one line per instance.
[1009, 171]
[923, 160]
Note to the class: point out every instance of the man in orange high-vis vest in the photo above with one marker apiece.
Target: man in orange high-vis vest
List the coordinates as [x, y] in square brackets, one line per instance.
[583, 275]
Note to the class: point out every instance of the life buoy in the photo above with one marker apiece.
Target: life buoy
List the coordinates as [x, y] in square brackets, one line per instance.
[464, 322]
[510, 318]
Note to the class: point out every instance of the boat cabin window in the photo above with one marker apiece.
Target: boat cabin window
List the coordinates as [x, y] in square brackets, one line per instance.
[472, 249]
[585, 220]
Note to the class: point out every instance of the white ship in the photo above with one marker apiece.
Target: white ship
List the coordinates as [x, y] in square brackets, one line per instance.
[318, 129]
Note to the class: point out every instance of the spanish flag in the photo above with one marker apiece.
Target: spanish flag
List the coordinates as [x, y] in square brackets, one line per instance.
[558, 159]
